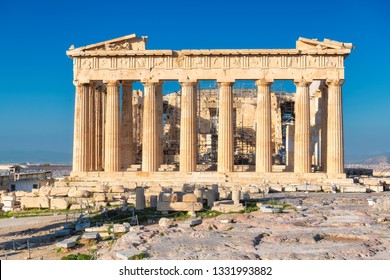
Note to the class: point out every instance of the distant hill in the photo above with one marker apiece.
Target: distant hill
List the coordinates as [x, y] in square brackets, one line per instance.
[378, 160]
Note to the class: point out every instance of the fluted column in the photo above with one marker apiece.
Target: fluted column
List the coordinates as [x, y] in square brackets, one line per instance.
[150, 129]
[81, 129]
[302, 161]
[98, 129]
[112, 131]
[225, 128]
[335, 141]
[264, 127]
[127, 124]
[91, 127]
[104, 106]
[160, 127]
[188, 135]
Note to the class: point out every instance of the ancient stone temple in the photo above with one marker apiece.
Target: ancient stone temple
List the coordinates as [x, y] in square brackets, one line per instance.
[121, 134]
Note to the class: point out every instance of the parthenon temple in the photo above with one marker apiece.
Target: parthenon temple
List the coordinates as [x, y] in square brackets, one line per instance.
[228, 122]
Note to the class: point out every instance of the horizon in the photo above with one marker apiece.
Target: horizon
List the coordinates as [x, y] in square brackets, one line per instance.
[37, 92]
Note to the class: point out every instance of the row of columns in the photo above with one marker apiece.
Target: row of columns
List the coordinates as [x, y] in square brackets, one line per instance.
[103, 131]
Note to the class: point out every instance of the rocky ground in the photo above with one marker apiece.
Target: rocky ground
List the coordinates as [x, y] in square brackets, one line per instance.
[323, 226]
[327, 226]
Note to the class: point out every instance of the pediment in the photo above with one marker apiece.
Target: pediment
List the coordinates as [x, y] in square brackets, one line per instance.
[304, 44]
[129, 42]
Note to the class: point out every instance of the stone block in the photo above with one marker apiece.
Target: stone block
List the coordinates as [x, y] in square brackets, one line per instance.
[66, 244]
[100, 189]
[9, 203]
[117, 189]
[59, 203]
[128, 253]
[270, 209]
[290, 188]
[189, 198]
[75, 192]
[103, 228]
[327, 188]
[275, 188]
[99, 197]
[179, 206]
[76, 207]
[250, 189]
[309, 188]
[8, 198]
[35, 202]
[62, 232]
[165, 197]
[45, 191]
[226, 208]
[194, 222]
[22, 193]
[353, 189]
[90, 235]
[123, 228]
[60, 191]
[116, 203]
[375, 188]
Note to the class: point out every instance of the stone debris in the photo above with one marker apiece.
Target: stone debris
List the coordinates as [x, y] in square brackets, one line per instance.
[62, 232]
[128, 253]
[165, 222]
[90, 235]
[271, 209]
[121, 228]
[69, 242]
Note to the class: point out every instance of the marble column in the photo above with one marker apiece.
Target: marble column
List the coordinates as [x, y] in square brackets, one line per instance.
[98, 129]
[302, 160]
[160, 127]
[127, 124]
[290, 131]
[81, 129]
[112, 143]
[324, 126]
[225, 128]
[264, 127]
[104, 106]
[335, 141]
[91, 117]
[150, 129]
[188, 134]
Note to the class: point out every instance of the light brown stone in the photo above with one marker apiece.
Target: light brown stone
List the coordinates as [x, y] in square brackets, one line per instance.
[179, 206]
[59, 191]
[99, 197]
[59, 203]
[35, 202]
[45, 191]
[189, 198]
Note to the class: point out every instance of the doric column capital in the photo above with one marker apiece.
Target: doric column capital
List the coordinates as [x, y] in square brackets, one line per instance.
[225, 84]
[111, 82]
[264, 82]
[80, 83]
[302, 83]
[188, 83]
[149, 82]
[334, 82]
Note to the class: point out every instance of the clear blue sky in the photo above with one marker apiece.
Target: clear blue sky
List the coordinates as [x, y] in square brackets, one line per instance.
[37, 94]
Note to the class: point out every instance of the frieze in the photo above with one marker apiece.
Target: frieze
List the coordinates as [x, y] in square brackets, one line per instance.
[210, 61]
